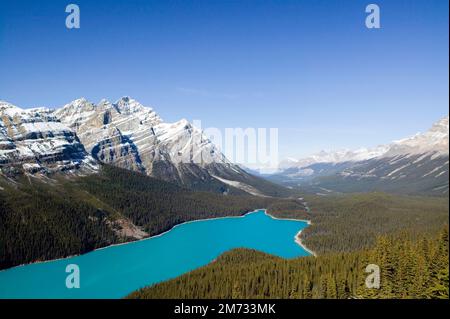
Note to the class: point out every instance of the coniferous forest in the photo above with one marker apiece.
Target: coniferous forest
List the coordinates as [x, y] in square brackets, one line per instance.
[48, 219]
[409, 267]
[403, 235]
[344, 223]
[41, 221]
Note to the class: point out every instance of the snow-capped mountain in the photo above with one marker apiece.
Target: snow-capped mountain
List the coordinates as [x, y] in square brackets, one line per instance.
[433, 140]
[344, 155]
[417, 163]
[130, 135]
[125, 134]
[36, 141]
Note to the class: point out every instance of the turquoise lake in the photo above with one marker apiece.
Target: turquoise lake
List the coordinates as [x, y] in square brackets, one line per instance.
[115, 271]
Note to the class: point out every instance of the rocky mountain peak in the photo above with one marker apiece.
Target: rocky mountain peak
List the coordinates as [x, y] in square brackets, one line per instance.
[435, 140]
[34, 140]
[9, 109]
[126, 105]
[441, 126]
[127, 134]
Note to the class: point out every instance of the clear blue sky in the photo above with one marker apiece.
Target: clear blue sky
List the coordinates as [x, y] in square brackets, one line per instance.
[310, 68]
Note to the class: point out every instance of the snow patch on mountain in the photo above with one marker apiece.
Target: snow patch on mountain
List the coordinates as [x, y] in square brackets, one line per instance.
[131, 135]
[36, 141]
[435, 140]
[126, 134]
[246, 188]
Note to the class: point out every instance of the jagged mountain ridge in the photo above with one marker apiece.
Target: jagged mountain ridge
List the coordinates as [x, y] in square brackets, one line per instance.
[35, 140]
[418, 164]
[130, 135]
[436, 139]
[124, 134]
[339, 156]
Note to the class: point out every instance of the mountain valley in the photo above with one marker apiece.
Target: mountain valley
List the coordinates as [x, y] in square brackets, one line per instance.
[414, 165]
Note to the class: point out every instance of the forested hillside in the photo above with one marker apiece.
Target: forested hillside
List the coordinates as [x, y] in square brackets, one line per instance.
[344, 223]
[410, 267]
[157, 205]
[40, 222]
[42, 219]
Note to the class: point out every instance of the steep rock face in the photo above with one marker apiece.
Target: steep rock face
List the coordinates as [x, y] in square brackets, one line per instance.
[125, 134]
[35, 141]
[117, 149]
[108, 131]
[130, 135]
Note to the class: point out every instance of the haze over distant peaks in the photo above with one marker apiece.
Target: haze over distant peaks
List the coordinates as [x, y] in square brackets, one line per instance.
[417, 164]
[436, 139]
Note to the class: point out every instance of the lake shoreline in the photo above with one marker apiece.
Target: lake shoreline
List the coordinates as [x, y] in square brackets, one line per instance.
[298, 240]
[173, 227]
[297, 237]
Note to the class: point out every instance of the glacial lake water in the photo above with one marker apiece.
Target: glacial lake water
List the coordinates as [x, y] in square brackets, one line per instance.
[115, 271]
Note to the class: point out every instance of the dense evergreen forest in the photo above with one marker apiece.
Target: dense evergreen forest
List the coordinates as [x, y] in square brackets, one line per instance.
[398, 233]
[42, 219]
[352, 222]
[157, 205]
[40, 222]
[410, 267]
[53, 218]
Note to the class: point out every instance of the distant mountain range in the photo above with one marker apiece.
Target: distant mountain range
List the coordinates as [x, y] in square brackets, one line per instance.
[88, 175]
[417, 164]
[77, 137]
